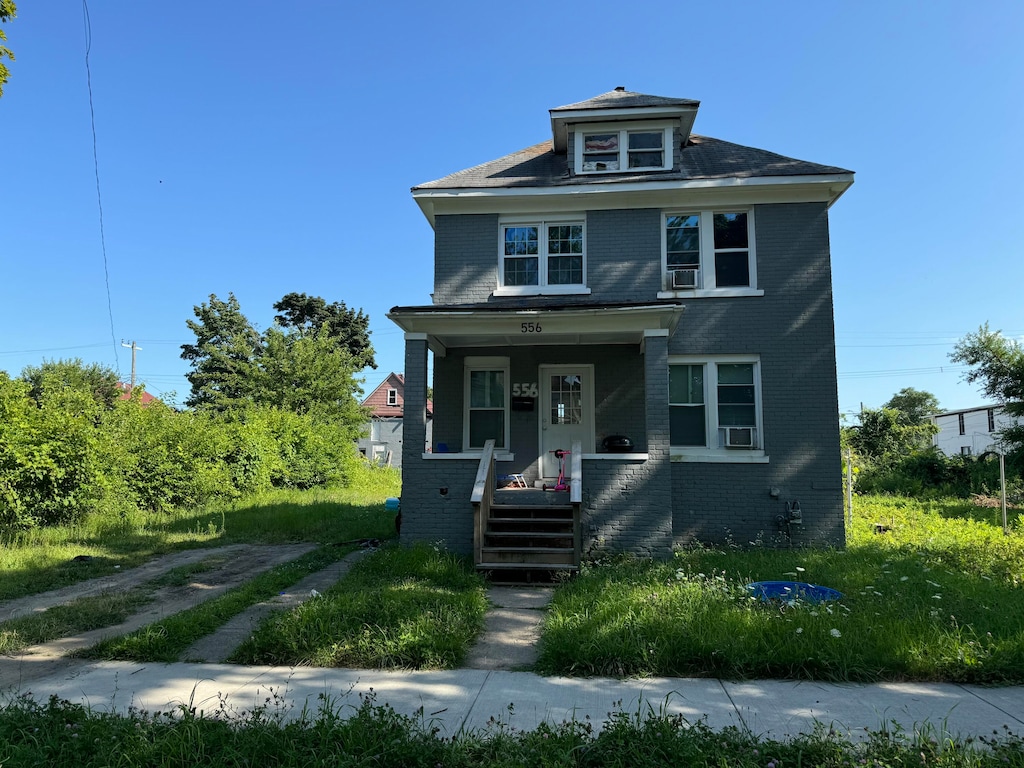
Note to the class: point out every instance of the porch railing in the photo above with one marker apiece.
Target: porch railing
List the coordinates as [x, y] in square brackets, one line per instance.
[576, 499]
[482, 498]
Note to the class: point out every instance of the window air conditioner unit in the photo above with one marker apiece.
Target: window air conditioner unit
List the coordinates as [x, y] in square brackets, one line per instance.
[739, 437]
[684, 278]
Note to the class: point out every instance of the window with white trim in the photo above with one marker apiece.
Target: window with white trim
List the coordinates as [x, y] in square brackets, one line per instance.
[709, 250]
[486, 401]
[542, 256]
[613, 148]
[392, 397]
[715, 404]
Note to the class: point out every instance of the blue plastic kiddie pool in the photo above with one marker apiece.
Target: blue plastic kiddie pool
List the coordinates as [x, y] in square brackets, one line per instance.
[793, 590]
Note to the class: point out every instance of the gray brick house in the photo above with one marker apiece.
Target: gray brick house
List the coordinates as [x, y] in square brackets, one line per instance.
[655, 302]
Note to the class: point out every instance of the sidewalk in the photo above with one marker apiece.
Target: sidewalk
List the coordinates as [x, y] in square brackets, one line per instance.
[467, 699]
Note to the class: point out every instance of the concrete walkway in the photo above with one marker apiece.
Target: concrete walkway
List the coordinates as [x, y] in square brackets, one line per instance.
[467, 699]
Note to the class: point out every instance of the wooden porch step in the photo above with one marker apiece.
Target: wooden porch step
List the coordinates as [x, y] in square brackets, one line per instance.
[531, 510]
[528, 556]
[492, 535]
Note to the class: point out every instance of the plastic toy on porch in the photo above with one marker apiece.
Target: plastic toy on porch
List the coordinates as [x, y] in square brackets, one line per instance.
[561, 484]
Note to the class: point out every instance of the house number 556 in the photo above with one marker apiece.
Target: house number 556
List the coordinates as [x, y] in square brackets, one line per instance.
[525, 389]
[530, 328]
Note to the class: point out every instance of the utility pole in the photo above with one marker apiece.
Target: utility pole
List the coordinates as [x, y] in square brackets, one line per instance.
[134, 348]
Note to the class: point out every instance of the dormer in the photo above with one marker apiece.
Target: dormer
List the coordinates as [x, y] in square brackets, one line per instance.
[622, 132]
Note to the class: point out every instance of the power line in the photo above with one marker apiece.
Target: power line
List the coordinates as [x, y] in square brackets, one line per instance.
[96, 168]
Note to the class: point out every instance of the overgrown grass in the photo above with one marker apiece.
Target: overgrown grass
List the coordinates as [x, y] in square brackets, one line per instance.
[82, 615]
[166, 639]
[42, 559]
[60, 733]
[416, 608]
[937, 596]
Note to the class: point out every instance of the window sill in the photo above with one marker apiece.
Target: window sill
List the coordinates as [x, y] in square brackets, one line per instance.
[498, 456]
[712, 293]
[723, 456]
[543, 290]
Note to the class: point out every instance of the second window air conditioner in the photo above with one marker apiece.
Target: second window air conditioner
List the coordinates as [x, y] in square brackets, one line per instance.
[684, 278]
[739, 437]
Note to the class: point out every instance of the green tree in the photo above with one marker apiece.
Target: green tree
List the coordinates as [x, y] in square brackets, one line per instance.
[897, 429]
[309, 375]
[98, 381]
[8, 11]
[348, 327]
[225, 356]
[915, 405]
[997, 363]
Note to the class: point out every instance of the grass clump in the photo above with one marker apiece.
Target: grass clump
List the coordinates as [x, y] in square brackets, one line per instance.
[938, 596]
[61, 733]
[408, 608]
[167, 639]
[82, 615]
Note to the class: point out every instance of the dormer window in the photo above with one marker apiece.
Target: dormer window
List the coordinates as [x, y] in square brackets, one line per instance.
[614, 149]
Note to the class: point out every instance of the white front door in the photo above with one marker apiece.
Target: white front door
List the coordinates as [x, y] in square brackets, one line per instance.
[566, 413]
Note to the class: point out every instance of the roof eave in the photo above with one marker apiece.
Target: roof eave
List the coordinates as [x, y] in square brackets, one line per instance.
[832, 186]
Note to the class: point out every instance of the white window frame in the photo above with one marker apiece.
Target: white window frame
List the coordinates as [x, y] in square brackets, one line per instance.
[714, 450]
[623, 130]
[706, 285]
[392, 396]
[542, 223]
[485, 364]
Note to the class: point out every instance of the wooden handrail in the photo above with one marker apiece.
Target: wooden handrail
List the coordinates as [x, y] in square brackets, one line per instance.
[481, 498]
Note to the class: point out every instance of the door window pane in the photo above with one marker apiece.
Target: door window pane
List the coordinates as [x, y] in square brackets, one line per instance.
[566, 399]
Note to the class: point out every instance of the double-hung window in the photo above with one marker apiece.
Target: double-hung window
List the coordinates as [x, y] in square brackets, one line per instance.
[392, 397]
[709, 251]
[715, 408]
[613, 148]
[486, 402]
[542, 257]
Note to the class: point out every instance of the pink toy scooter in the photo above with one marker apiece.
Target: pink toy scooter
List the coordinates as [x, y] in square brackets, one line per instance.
[561, 484]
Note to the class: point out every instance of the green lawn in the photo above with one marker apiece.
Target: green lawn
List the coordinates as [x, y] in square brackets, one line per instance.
[938, 596]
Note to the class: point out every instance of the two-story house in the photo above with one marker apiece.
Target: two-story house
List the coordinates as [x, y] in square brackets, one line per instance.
[655, 302]
[384, 435]
[971, 431]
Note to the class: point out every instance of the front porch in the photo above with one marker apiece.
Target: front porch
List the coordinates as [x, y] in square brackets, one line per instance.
[583, 374]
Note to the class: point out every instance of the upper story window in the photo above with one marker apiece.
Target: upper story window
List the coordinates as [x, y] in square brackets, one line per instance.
[615, 149]
[392, 397]
[542, 257]
[960, 424]
[715, 408]
[991, 420]
[709, 251]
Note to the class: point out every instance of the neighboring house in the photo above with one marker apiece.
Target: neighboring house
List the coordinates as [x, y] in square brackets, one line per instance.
[970, 432]
[383, 441]
[126, 394]
[659, 298]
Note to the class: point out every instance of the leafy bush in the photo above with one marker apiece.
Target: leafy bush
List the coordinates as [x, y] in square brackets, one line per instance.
[64, 454]
[49, 473]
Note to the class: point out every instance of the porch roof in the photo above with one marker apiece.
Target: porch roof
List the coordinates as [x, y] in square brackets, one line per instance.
[513, 324]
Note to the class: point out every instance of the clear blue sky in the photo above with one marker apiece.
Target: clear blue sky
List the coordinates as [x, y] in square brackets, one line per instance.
[264, 148]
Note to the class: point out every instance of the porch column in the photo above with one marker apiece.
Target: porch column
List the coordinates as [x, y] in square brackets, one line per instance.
[659, 467]
[414, 416]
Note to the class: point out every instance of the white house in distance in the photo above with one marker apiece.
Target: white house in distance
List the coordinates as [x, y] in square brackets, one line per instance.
[382, 443]
[970, 432]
